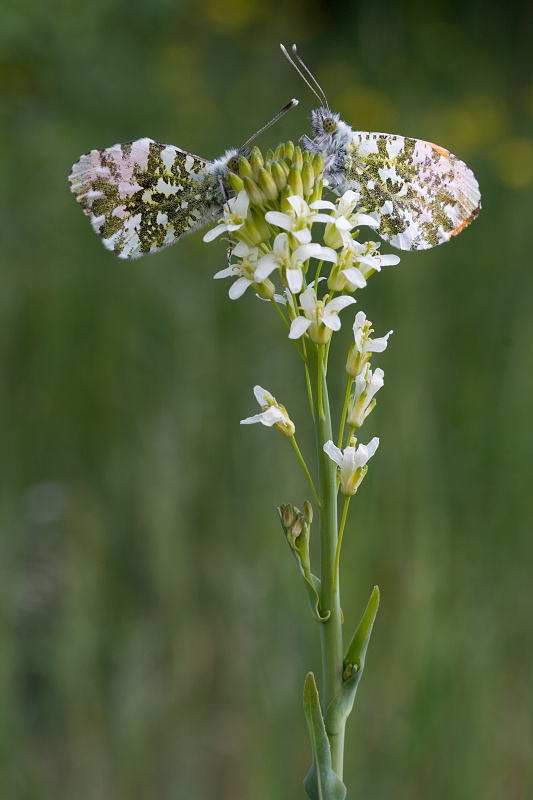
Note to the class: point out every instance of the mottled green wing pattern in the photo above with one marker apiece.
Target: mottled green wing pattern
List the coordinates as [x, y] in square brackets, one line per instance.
[421, 194]
[143, 195]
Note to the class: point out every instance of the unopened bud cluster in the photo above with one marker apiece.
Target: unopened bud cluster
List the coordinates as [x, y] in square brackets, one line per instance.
[295, 523]
[274, 178]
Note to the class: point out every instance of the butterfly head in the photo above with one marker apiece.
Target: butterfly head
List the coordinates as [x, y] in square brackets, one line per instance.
[330, 134]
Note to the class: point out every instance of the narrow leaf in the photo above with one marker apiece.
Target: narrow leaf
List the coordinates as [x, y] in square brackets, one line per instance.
[321, 783]
[354, 662]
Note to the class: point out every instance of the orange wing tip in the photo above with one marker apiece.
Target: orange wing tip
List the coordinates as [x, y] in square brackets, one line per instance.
[441, 150]
[467, 221]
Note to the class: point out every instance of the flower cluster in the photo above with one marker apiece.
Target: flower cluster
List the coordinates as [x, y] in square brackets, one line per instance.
[279, 224]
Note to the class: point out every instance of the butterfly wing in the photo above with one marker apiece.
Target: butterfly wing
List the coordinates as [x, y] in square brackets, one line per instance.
[141, 196]
[421, 194]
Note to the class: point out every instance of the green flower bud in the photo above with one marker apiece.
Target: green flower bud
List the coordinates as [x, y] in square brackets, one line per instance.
[279, 153]
[235, 182]
[259, 224]
[253, 191]
[318, 164]
[287, 514]
[284, 205]
[251, 235]
[289, 150]
[308, 178]
[267, 184]
[279, 175]
[316, 194]
[269, 156]
[297, 159]
[245, 169]
[308, 512]
[256, 161]
[297, 527]
[295, 180]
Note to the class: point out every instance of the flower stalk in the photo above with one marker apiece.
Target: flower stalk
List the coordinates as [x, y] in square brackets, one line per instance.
[278, 224]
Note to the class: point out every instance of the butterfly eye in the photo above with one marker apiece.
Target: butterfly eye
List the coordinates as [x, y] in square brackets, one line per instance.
[233, 163]
[330, 125]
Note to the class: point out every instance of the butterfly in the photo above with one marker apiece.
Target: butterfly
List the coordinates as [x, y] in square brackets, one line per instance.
[420, 194]
[142, 196]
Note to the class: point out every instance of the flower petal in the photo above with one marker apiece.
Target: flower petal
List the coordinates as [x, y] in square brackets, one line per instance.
[226, 273]
[299, 327]
[338, 303]
[238, 288]
[279, 219]
[295, 280]
[303, 235]
[216, 231]
[333, 452]
[355, 276]
[261, 395]
[265, 266]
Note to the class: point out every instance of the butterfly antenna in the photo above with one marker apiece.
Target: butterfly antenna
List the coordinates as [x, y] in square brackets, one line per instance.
[320, 97]
[292, 104]
[320, 89]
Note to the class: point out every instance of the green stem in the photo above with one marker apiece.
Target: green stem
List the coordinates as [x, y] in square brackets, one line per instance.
[308, 476]
[287, 325]
[339, 542]
[331, 630]
[344, 412]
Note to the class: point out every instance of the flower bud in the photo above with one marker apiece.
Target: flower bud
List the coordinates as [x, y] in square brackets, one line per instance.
[289, 150]
[297, 158]
[253, 191]
[245, 169]
[297, 527]
[253, 236]
[318, 164]
[308, 178]
[317, 191]
[279, 175]
[256, 161]
[267, 184]
[295, 180]
[259, 223]
[235, 182]
[308, 512]
[279, 153]
[287, 514]
[284, 205]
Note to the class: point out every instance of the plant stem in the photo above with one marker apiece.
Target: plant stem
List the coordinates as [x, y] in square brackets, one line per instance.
[331, 630]
[307, 475]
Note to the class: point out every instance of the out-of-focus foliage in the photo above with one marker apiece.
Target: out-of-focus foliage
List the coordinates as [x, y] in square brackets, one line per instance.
[154, 634]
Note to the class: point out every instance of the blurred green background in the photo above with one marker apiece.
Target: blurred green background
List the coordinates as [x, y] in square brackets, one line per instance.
[154, 634]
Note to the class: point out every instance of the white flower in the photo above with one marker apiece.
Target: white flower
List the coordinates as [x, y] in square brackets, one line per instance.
[272, 413]
[320, 316]
[344, 217]
[346, 274]
[299, 219]
[243, 270]
[363, 345]
[351, 463]
[291, 263]
[235, 212]
[362, 402]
